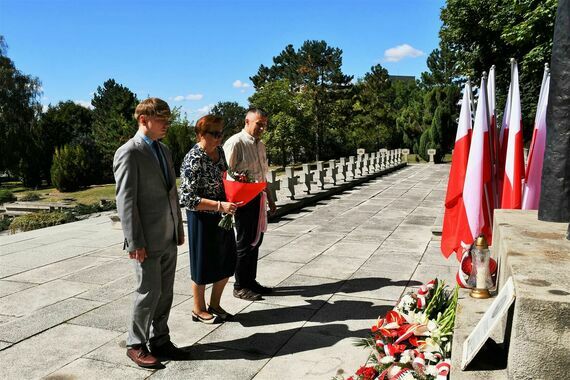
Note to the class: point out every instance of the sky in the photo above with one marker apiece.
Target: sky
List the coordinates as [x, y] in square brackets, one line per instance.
[193, 53]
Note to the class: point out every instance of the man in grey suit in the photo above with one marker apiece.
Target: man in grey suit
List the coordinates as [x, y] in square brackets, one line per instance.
[147, 203]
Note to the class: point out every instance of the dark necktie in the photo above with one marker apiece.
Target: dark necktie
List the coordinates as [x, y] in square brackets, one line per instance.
[160, 160]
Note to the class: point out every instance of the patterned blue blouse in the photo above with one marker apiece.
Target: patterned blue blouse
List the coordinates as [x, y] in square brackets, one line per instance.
[201, 177]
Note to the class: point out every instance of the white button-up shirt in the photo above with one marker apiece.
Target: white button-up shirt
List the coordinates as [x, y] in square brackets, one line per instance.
[244, 152]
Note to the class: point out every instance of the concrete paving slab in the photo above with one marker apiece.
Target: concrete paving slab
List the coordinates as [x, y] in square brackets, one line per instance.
[9, 287]
[112, 290]
[342, 312]
[369, 236]
[27, 361]
[305, 248]
[94, 369]
[212, 363]
[114, 353]
[367, 283]
[314, 356]
[40, 320]
[43, 255]
[4, 345]
[6, 318]
[104, 272]
[274, 241]
[333, 267]
[18, 246]
[259, 329]
[58, 270]
[26, 301]
[351, 248]
[9, 270]
[303, 291]
[271, 272]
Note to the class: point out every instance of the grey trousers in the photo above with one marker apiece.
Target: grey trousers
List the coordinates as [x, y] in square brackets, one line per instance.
[153, 298]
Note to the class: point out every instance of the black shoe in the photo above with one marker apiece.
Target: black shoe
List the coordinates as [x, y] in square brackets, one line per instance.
[263, 290]
[221, 313]
[209, 321]
[247, 294]
[169, 351]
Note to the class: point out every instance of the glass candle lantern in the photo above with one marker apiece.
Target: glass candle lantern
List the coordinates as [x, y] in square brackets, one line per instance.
[480, 277]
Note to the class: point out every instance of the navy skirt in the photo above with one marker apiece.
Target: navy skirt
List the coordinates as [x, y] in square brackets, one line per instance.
[212, 248]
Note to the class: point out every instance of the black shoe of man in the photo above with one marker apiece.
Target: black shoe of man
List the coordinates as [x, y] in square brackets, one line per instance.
[247, 294]
[168, 351]
[263, 290]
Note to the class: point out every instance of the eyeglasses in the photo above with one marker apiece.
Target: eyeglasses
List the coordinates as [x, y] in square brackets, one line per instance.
[215, 134]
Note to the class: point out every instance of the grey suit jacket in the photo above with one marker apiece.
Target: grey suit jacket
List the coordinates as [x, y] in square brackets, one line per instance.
[149, 208]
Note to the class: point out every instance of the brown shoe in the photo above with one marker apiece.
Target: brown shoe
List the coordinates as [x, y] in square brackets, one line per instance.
[142, 357]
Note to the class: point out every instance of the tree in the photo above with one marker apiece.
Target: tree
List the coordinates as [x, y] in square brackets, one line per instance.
[19, 110]
[69, 168]
[481, 33]
[233, 115]
[314, 70]
[113, 122]
[65, 123]
[373, 123]
[180, 138]
[288, 136]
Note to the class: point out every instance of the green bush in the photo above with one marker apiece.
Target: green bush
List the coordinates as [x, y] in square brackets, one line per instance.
[83, 209]
[37, 220]
[6, 196]
[68, 168]
[4, 223]
[30, 197]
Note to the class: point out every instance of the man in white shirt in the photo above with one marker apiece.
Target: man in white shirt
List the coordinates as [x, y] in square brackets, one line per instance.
[246, 152]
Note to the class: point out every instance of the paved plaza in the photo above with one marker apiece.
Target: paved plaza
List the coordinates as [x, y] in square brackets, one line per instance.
[66, 291]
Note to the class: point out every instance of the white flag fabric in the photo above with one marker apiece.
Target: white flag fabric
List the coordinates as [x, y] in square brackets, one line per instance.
[531, 192]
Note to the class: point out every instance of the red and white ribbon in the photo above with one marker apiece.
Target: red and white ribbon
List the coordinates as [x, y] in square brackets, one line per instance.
[461, 277]
[443, 369]
[423, 292]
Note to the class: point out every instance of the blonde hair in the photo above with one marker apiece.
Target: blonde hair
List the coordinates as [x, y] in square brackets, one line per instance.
[152, 107]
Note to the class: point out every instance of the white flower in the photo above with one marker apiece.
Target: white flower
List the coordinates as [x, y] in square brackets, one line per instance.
[405, 357]
[387, 360]
[432, 325]
[431, 370]
[407, 376]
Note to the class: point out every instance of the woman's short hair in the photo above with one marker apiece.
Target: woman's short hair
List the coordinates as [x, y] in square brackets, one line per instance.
[207, 123]
[153, 107]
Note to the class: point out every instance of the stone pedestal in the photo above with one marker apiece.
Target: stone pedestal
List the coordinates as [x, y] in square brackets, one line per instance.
[536, 255]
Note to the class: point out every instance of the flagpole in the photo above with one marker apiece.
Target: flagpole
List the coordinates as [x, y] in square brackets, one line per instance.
[492, 139]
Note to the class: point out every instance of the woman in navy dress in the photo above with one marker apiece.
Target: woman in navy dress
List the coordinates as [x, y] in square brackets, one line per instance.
[212, 248]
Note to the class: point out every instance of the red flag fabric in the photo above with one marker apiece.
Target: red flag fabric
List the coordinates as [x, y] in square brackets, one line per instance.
[533, 177]
[514, 161]
[475, 217]
[450, 241]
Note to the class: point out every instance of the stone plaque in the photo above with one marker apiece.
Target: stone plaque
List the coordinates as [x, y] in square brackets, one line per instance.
[406, 151]
[431, 152]
[360, 151]
[492, 316]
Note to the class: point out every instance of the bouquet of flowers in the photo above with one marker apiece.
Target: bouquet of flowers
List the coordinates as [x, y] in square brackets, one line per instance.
[413, 341]
[241, 190]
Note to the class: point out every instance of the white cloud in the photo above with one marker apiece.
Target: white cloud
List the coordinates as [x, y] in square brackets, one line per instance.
[204, 110]
[84, 103]
[180, 98]
[239, 84]
[400, 52]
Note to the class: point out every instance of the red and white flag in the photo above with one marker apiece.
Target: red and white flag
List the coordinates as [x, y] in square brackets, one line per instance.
[450, 240]
[514, 161]
[476, 218]
[531, 191]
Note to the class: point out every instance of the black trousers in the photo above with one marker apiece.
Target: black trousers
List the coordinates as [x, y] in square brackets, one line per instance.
[246, 219]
